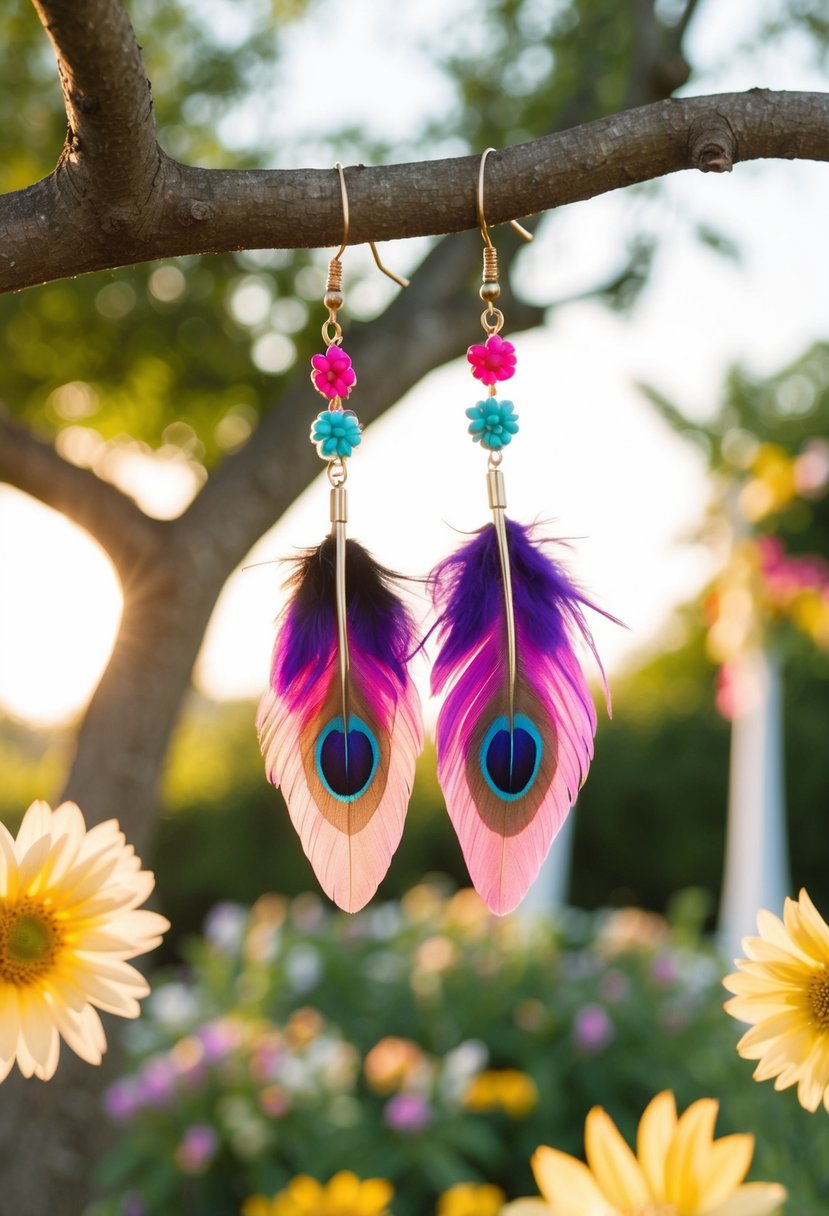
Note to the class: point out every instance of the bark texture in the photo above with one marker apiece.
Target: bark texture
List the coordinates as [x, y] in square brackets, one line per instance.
[51, 231]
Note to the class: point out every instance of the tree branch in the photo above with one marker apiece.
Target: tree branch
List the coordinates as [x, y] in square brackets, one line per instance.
[192, 210]
[111, 134]
[119, 526]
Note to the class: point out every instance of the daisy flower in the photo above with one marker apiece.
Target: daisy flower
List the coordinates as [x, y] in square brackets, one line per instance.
[69, 919]
[678, 1170]
[782, 988]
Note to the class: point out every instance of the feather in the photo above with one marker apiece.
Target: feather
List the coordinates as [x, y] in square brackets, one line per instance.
[346, 791]
[509, 767]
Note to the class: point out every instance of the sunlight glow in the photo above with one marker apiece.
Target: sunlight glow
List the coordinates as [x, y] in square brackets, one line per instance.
[58, 626]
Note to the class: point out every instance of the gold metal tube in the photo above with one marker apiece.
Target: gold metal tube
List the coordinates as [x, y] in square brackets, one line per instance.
[339, 505]
[496, 488]
[498, 502]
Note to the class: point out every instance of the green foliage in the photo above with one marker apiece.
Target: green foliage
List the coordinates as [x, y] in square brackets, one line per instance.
[271, 1040]
[651, 818]
[787, 409]
[204, 60]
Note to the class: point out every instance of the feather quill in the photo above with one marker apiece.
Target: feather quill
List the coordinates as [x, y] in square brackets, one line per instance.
[515, 734]
[346, 790]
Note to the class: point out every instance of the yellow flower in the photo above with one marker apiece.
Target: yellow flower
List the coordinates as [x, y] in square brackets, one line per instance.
[69, 919]
[782, 988]
[506, 1089]
[344, 1195]
[678, 1170]
[471, 1199]
[519, 1095]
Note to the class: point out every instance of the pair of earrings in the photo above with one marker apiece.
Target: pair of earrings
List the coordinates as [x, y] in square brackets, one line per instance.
[340, 726]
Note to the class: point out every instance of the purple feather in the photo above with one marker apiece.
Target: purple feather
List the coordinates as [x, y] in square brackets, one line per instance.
[379, 624]
[510, 768]
[468, 588]
[342, 746]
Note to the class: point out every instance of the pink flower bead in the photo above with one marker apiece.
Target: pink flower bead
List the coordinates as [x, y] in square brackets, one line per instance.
[492, 360]
[332, 374]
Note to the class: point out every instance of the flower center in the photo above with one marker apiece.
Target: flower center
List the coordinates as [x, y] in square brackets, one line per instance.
[30, 939]
[818, 993]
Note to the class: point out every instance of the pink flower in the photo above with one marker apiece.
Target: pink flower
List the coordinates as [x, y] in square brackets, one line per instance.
[592, 1029]
[664, 970]
[493, 360]
[407, 1113]
[333, 375]
[198, 1146]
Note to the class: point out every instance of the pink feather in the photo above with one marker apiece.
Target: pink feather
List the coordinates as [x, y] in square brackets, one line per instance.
[508, 790]
[347, 805]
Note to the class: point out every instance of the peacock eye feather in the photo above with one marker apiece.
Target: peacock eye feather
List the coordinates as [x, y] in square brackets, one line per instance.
[347, 763]
[341, 740]
[510, 758]
[513, 747]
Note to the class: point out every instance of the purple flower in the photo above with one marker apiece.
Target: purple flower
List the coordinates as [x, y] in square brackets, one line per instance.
[155, 1083]
[664, 970]
[592, 1029]
[197, 1148]
[218, 1039]
[407, 1113]
[121, 1101]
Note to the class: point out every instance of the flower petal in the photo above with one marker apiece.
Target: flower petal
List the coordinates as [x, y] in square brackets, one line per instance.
[753, 1199]
[728, 1163]
[37, 1030]
[9, 1023]
[36, 823]
[752, 1045]
[653, 1138]
[612, 1162]
[814, 926]
[567, 1184]
[688, 1154]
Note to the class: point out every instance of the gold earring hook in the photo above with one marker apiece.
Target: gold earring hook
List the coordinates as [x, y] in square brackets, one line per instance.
[401, 282]
[344, 197]
[522, 232]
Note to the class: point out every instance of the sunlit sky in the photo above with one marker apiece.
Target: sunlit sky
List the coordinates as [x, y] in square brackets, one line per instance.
[591, 457]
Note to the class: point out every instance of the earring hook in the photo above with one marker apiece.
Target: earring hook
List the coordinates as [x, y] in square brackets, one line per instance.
[401, 282]
[344, 198]
[522, 232]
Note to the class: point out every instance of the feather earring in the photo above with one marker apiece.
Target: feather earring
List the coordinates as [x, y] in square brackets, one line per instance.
[340, 725]
[515, 733]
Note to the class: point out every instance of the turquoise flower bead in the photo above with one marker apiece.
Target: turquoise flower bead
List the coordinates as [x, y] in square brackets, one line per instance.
[335, 434]
[492, 423]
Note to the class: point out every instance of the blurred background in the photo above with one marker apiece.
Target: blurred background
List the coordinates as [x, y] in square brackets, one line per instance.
[674, 401]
